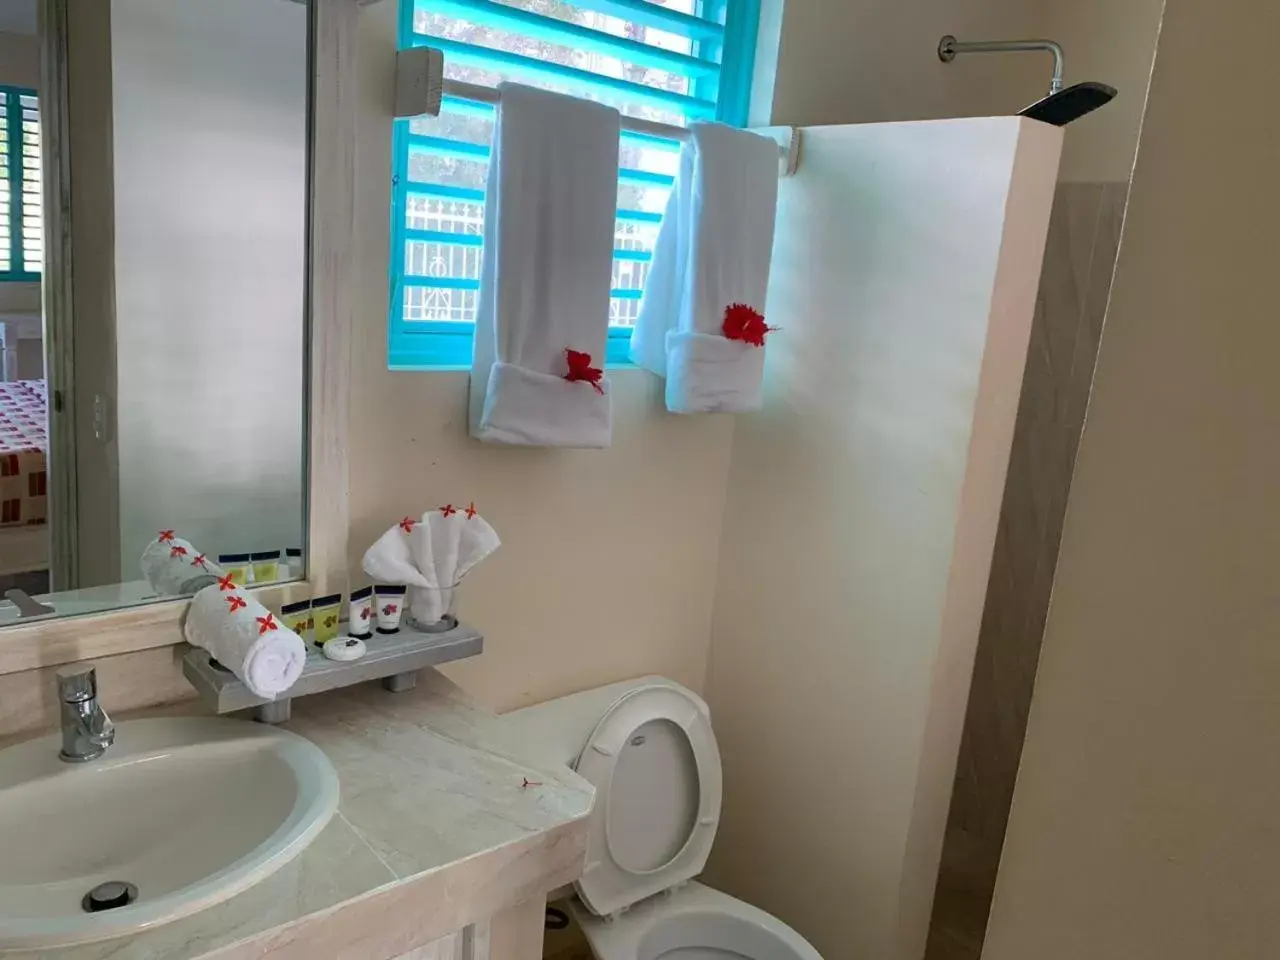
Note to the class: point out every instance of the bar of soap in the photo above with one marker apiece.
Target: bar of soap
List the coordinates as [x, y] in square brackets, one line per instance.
[344, 648]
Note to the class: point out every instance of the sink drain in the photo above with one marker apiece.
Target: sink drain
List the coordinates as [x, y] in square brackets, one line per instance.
[108, 896]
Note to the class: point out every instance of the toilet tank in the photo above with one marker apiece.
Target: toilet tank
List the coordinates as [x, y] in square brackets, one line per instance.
[559, 731]
[559, 728]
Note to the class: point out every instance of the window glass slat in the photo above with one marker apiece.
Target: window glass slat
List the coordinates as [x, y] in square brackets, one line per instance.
[538, 26]
[659, 16]
[21, 199]
[614, 88]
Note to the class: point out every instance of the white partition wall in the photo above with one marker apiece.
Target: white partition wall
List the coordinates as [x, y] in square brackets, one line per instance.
[861, 517]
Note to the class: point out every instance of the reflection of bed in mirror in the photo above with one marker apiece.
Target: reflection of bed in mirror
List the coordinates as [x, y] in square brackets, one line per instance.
[24, 535]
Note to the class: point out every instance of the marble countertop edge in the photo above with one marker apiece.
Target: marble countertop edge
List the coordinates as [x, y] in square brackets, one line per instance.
[390, 920]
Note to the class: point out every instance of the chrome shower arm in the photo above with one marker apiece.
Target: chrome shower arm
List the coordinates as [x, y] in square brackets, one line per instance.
[949, 46]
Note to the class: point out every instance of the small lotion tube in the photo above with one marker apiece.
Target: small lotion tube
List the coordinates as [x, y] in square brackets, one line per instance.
[325, 614]
[292, 567]
[266, 566]
[297, 617]
[390, 604]
[360, 613]
[237, 567]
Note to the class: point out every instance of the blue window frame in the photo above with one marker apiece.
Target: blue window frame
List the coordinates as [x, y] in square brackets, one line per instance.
[672, 61]
[21, 219]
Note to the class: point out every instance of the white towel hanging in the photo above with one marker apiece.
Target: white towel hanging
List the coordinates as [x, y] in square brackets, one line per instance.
[701, 323]
[543, 312]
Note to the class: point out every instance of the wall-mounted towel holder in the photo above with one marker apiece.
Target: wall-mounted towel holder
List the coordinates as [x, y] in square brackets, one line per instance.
[421, 86]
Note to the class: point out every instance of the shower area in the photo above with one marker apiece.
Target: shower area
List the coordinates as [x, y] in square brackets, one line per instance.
[1080, 255]
[1075, 284]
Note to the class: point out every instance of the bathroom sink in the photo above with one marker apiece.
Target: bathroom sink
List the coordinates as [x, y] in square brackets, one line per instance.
[186, 811]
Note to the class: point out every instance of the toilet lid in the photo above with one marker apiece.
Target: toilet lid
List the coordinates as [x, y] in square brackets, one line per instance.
[654, 763]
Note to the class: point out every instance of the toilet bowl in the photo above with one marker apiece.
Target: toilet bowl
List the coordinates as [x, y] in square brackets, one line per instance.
[647, 747]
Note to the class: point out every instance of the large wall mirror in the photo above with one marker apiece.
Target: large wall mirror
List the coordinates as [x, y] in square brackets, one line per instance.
[153, 261]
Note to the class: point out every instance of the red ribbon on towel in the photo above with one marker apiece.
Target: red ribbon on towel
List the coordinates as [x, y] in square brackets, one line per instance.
[581, 370]
[746, 324]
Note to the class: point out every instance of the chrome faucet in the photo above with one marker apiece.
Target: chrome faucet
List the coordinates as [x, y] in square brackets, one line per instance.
[87, 731]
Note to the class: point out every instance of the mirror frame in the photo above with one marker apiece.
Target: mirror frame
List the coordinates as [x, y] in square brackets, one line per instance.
[330, 275]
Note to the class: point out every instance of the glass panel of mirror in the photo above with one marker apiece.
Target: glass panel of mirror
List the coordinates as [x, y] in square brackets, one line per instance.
[151, 328]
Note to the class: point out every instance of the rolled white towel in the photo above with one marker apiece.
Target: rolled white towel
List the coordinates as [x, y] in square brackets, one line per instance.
[175, 568]
[246, 638]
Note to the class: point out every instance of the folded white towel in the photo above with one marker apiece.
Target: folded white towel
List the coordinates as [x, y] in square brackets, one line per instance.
[542, 317]
[701, 324]
[175, 568]
[707, 373]
[390, 560]
[246, 638]
[431, 555]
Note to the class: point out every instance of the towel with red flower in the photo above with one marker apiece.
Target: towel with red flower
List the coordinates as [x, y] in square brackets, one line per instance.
[702, 324]
[246, 638]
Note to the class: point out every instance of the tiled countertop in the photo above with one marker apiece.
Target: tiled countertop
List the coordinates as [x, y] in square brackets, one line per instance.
[436, 829]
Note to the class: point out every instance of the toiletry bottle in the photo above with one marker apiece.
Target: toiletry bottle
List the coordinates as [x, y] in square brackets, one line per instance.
[237, 567]
[266, 566]
[390, 604]
[326, 612]
[297, 617]
[291, 567]
[360, 618]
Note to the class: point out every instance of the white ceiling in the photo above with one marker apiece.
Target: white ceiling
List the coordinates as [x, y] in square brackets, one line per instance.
[18, 16]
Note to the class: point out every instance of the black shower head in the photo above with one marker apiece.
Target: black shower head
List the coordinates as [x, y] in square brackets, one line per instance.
[1070, 104]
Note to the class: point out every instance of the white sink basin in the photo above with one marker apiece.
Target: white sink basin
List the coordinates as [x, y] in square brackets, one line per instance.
[190, 811]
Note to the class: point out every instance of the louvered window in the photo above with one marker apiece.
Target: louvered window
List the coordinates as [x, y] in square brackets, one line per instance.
[673, 61]
[21, 226]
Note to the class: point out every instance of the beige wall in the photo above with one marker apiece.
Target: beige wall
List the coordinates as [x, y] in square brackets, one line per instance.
[608, 565]
[19, 67]
[869, 61]
[861, 514]
[1144, 823]
[20, 298]
[864, 62]
[1114, 43]
[20, 60]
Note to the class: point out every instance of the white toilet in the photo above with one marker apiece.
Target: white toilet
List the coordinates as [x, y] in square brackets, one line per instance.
[647, 747]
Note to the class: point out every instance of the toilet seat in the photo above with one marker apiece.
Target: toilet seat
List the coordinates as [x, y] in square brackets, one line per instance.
[656, 830]
[690, 924]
